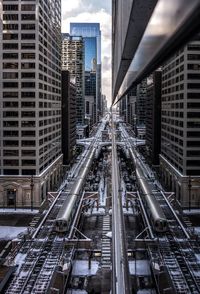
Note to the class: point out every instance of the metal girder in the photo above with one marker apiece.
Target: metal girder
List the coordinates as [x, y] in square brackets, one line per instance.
[172, 24]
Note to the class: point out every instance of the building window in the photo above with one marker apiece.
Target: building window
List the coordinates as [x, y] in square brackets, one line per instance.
[11, 162]
[10, 152]
[10, 46]
[10, 133]
[28, 113]
[28, 85]
[28, 124]
[28, 7]
[10, 85]
[28, 162]
[28, 46]
[11, 65]
[28, 172]
[28, 133]
[10, 114]
[28, 55]
[10, 124]
[11, 143]
[28, 17]
[10, 55]
[27, 65]
[10, 16]
[28, 94]
[28, 104]
[10, 75]
[27, 75]
[28, 36]
[28, 26]
[9, 36]
[10, 7]
[10, 104]
[10, 94]
[28, 153]
[28, 143]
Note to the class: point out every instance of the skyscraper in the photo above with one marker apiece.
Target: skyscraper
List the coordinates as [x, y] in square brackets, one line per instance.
[92, 39]
[73, 61]
[180, 129]
[68, 117]
[153, 117]
[30, 91]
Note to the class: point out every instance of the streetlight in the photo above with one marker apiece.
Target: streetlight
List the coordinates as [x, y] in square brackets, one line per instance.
[14, 190]
[32, 185]
[189, 191]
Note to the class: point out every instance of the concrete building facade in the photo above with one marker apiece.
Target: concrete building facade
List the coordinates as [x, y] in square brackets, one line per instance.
[180, 130]
[30, 91]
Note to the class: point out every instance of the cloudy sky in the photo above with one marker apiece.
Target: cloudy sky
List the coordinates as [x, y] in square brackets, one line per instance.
[93, 11]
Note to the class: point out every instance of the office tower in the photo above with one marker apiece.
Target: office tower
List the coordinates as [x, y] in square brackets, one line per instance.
[141, 102]
[31, 159]
[68, 118]
[73, 61]
[123, 109]
[180, 129]
[92, 39]
[141, 108]
[131, 107]
[104, 104]
[153, 117]
[90, 95]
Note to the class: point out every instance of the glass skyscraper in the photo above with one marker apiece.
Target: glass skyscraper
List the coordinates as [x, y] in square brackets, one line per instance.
[92, 39]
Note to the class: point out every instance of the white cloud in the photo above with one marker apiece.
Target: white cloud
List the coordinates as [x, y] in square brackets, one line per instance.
[70, 5]
[86, 11]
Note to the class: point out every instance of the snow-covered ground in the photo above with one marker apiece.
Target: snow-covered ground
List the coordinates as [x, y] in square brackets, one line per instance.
[80, 268]
[141, 267]
[9, 233]
[72, 291]
[191, 211]
[18, 210]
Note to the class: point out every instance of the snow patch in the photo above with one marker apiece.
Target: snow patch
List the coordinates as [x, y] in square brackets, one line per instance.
[18, 210]
[9, 233]
[141, 267]
[80, 268]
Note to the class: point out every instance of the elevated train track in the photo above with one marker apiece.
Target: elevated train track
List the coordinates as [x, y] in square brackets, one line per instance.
[177, 248]
[42, 253]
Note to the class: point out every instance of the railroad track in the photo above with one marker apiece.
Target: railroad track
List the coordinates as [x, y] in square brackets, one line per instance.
[178, 255]
[42, 256]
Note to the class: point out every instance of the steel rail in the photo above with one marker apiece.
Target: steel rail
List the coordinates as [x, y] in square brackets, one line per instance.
[120, 270]
[176, 217]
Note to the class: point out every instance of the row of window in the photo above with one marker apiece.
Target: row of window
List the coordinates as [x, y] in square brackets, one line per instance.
[15, 46]
[16, 16]
[13, 153]
[14, 65]
[15, 55]
[15, 26]
[14, 75]
[24, 172]
[15, 7]
[15, 162]
[16, 84]
[31, 113]
[31, 124]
